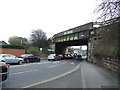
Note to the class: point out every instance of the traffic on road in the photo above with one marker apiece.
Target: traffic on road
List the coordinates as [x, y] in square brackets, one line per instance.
[27, 69]
[41, 72]
[28, 74]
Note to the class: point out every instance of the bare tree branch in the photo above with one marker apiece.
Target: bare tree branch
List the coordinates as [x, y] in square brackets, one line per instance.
[108, 10]
[38, 38]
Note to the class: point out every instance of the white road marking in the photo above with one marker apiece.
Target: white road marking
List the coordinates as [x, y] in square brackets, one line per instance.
[43, 63]
[72, 63]
[29, 64]
[56, 62]
[64, 63]
[53, 66]
[24, 72]
[19, 65]
[45, 81]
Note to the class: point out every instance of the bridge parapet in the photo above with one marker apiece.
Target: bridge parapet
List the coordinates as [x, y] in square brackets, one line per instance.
[76, 33]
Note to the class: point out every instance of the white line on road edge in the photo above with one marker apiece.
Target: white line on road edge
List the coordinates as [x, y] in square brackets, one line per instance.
[45, 81]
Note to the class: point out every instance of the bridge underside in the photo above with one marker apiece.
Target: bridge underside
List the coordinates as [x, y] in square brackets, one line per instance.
[60, 47]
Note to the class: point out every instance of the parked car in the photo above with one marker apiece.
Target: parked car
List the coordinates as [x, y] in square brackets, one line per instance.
[4, 71]
[10, 59]
[79, 57]
[68, 56]
[54, 57]
[65, 56]
[84, 56]
[62, 57]
[30, 58]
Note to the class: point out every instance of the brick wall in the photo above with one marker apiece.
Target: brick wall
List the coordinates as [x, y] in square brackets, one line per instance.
[16, 52]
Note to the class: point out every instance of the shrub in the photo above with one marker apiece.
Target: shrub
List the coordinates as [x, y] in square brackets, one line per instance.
[13, 46]
[33, 50]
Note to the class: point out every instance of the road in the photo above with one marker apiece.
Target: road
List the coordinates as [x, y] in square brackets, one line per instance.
[32, 73]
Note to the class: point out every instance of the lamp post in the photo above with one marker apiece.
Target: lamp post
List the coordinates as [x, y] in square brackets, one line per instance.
[21, 42]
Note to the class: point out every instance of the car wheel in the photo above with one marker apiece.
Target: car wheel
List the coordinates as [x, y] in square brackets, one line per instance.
[20, 62]
[48, 59]
[27, 61]
[38, 60]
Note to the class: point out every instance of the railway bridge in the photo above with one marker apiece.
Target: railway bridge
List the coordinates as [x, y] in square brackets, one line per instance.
[73, 37]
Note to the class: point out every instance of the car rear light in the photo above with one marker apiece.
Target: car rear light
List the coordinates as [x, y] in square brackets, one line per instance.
[4, 69]
[4, 66]
[23, 58]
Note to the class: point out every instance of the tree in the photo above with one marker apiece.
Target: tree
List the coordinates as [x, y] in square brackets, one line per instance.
[33, 50]
[109, 9]
[49, 41]
[38, 38]
[18, 40]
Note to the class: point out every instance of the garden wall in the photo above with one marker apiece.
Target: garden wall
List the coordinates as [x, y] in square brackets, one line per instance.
[16, 52]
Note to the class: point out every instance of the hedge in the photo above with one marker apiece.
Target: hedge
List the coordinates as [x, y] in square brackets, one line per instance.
[13, 46]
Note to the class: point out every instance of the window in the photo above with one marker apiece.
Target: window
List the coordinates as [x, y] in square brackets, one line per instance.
[76, 36]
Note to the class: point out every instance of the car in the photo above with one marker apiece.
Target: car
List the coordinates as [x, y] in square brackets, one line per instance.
[11, 59]
[62, 57]
[65, 56]
[4, 71]
[84, 56]
[71, 56]
[79, 57]
[68, 56]
[30, 58]
[54, 57]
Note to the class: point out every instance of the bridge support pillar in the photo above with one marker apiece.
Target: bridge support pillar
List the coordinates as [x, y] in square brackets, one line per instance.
[60, 48]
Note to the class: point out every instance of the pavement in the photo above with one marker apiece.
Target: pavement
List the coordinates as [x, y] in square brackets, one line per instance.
[86, 76]
[94, 76]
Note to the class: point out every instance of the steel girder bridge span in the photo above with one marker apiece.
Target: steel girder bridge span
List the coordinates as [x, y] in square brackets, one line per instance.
[77, 36]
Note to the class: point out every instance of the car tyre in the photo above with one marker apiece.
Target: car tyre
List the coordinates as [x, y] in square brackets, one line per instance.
[48, 59]
[27, 61]
[38, 60]
[20, 62]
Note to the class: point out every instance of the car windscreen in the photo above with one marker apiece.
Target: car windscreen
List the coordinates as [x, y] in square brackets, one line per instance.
[26, 55]
[52, 54]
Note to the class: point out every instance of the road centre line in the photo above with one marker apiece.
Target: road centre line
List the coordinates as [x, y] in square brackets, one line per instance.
[24, 72]
[53, 66]
[19, 65]
[64, 63]
[72, 63]
[28, 64]
[43, 63]
[56, 62]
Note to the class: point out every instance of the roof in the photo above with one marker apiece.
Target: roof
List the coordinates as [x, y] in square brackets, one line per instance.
[2, 43]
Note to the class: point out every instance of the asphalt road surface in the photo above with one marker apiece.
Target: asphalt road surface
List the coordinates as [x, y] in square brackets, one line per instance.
[29, 74]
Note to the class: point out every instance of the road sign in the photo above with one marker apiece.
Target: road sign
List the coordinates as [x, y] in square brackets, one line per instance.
[51, 50]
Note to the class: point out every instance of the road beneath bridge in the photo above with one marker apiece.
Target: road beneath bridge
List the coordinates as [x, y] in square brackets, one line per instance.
[61, 74]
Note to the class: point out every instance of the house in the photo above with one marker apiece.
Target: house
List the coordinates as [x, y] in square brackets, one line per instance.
[2, 43]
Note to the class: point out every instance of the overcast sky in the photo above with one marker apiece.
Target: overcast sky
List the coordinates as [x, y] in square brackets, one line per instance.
[20, 17]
